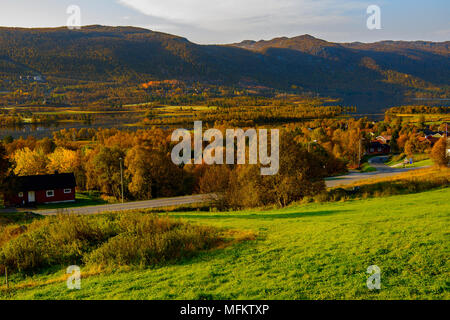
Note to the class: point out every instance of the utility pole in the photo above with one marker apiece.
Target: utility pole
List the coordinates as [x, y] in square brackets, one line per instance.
[447, 148]
[359, 154]
[359, 151]
[121, 176]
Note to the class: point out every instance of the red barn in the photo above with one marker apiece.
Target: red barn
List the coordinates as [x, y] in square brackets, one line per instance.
[50, 188]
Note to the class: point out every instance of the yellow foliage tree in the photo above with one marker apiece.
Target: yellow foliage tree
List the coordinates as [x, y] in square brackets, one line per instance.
[30, 162]
[62, 160]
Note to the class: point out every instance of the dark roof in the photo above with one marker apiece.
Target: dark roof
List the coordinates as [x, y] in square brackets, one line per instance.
[45, 182]
[377, 144]
[429, 132]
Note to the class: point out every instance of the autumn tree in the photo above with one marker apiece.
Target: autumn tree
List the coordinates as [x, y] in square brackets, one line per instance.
[413, 145]
[46, 145]
[215, 178]
[301, 174]
[152, 174]
[4, 165]
[30, 162]
[105, 170]
[63, 161]
[439, 152]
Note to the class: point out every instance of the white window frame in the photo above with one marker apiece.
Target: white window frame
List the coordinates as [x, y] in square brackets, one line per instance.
[48, 195]
[67, 191]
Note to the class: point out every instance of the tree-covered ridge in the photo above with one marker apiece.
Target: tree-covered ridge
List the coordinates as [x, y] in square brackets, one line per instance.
[134, 55]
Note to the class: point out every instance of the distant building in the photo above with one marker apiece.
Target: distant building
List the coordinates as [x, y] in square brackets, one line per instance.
[37, 78]
[429, 139]
[40, 189]
[448, 147]
[384, 139]
[377, 147]
[434, 134]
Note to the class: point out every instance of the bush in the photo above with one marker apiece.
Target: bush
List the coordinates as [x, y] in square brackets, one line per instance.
[58, 240]
[155, 247]
[131, 238]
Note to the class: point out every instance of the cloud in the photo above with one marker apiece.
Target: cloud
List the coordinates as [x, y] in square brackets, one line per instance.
[242, 15]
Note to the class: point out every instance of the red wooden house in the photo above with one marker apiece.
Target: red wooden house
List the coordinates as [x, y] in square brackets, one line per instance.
[377, 147]
[51, 188]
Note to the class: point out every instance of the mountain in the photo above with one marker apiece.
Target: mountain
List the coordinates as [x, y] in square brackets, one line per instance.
[427, 60]
[394, 69]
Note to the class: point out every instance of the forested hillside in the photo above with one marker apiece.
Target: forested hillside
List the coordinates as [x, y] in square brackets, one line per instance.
[303, 64]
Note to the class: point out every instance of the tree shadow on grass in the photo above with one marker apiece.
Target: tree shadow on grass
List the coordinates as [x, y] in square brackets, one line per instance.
[263, 216]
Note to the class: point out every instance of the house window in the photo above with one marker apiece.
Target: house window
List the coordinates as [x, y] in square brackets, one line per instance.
[67, 191]
[20, 194]
[50, 193]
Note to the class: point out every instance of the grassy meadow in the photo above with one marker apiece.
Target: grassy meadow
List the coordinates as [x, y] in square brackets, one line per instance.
[309, 251]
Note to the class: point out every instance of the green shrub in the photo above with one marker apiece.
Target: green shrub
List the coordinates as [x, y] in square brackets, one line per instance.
[56, 240]
[119, 239]
[154, 247]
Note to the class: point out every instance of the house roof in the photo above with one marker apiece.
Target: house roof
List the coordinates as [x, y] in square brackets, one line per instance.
[429, 132]
[45, 182]
[376, 144]
[385, 137]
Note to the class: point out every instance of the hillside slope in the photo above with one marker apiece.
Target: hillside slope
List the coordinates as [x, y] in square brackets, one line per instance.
[390, 69]
[313, 251]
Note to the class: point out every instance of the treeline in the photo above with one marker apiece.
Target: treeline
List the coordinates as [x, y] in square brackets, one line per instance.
[249, 115]
[418, 110]
[95, 157]
[10, 120]
[17, 119]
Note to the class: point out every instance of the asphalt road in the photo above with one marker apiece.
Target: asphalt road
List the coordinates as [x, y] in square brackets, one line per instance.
[376, 162]
[157, 203]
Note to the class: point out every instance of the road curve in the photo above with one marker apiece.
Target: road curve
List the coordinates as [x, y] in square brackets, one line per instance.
[376, 162]
[157, 203]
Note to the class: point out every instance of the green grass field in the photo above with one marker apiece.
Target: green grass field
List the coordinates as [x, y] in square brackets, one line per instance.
[420, 160]
[311, 251]
[422, 163]
[367, 168]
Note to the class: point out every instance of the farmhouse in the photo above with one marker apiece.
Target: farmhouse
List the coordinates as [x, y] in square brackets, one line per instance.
[377, 147]
[384, 139]
[51, 188]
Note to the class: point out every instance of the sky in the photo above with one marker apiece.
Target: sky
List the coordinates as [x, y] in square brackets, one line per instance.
[228, 21]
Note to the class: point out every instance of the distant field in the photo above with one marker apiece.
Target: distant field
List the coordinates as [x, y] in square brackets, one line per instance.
[432, 118]
[313, 251]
